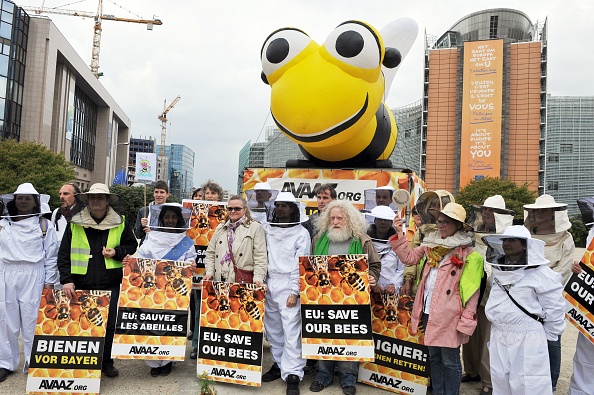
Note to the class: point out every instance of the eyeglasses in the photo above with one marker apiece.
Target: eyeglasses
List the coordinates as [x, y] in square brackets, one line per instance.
[234, 208]
[442, 223]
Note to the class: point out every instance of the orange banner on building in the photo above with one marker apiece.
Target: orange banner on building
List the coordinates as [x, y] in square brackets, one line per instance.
[480, 144]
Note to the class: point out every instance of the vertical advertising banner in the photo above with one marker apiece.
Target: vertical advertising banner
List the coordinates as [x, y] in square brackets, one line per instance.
[153, 310]
[579, 293]
[480, 148]
[231, 332]
[146, 166]
[401, 360]
[67, 351]
[206, 216]
[335, 310]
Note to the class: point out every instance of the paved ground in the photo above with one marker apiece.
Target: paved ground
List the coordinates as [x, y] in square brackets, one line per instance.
[135, 379]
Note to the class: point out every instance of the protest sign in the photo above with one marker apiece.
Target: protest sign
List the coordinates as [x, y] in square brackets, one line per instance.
[335, 311]
[67, 352]
[153, 310]
[579, 294]
[206, 216]
[401, 360]
[231, 332]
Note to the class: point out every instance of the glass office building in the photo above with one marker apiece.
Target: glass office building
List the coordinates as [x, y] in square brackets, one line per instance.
[181, 169]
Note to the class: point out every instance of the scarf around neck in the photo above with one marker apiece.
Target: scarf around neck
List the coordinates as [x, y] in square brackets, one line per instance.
[231, 228]
[323, 243]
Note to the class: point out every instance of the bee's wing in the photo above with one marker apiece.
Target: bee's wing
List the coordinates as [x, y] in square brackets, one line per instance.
[400, 34]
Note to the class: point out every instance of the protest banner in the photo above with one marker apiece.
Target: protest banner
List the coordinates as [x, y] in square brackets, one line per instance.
[401, 360]
[206, 216]
[153, 310]
[231, 332]
[335, 310]
[67, 351]
[579, 294]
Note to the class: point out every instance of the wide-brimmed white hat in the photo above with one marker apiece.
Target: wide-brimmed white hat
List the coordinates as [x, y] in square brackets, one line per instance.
[288, 197]
[535, 255]
[27, 189]
[544, 201]
[98, 189]
[503, 217]
[495, 201]
[382, 212]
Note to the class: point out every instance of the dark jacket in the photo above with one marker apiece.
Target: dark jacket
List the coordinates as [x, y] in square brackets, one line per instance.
[98, 276]
[138, 228]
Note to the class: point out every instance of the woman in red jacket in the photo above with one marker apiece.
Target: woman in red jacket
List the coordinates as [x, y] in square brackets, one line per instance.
[447, 297]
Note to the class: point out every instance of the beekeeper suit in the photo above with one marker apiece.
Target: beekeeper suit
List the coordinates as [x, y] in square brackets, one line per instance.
[490, 218]
[380, 231]
[167, 242]
[28, 245]
[286, 241]
[518, 344]
[548, 221]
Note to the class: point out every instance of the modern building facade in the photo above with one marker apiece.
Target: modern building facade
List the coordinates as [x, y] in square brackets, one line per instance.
[484, 101]
[51, 97]
[407, 153]
[180, 169]
[569, 149]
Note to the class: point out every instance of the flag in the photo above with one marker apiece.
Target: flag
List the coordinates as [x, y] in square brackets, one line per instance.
[121, 178]
[146, 166]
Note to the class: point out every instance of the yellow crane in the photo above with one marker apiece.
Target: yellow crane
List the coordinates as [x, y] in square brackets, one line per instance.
[98, 17]
[163, 118]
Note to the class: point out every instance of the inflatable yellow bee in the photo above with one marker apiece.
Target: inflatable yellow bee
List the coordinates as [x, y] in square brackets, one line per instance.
[329, 98]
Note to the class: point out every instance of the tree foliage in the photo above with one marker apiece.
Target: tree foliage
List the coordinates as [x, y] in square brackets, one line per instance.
[515, 196]
[34, 163]
[578, 230]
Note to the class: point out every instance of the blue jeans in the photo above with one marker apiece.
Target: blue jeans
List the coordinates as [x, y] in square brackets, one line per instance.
[555, 360]
[446, 368]
[347, 371]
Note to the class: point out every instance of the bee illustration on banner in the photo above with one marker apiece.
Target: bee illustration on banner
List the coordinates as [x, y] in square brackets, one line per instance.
[146, 278]
[175, 278]
[218, 296]
[60, 309]
[248, 295]
[91, 306]
[319, 275]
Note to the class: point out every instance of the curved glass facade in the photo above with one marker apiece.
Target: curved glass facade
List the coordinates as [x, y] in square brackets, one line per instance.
[14, 31]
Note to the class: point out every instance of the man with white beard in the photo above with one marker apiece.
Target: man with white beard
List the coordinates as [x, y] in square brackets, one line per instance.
[342, 230]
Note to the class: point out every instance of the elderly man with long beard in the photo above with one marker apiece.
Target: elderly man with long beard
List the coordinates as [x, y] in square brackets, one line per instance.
[342, 230]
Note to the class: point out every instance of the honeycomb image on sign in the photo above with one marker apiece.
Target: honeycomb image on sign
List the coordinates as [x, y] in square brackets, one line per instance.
[391, 318]
[155, 284]
[85, 316]
[334, 280]
[232, 308]
[206, 216]
[578, 293]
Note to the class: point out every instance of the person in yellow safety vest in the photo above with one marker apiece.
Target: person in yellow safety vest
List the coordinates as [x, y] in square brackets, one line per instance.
[91, 253]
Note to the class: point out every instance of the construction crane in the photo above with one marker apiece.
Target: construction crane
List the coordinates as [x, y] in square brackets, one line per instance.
[98, 17]
[163, 118]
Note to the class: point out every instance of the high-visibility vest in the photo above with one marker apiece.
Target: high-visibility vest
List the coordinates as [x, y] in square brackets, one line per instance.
[80, 251]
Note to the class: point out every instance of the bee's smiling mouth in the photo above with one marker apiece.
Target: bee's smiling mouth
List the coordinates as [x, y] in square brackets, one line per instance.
[325, 134]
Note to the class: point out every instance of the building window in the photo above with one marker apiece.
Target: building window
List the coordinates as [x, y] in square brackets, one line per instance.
[82, 149]
[493, 26]
[553, 185]
[566, 148]
[553, 158]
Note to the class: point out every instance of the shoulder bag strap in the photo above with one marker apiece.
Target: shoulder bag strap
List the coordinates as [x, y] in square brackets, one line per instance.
[533, 316]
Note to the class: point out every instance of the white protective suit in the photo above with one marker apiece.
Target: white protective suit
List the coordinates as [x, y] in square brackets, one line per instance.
[156, 245]
[518, 344]
[282, 323]
[582, 379]
[392, 267]
[27, 262]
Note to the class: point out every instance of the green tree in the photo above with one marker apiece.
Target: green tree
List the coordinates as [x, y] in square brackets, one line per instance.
[578, 230]
[34, 163]
[515, 196]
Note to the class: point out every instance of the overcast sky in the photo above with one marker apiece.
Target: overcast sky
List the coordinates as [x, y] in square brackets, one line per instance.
[208, 52]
